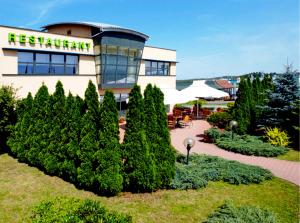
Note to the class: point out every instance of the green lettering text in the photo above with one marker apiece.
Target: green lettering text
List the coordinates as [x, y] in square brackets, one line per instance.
[41, 39]
[80, 45]
[32, 39]
[73, 45]
[88, 46]
[22, 38]
[57, 42]
[11, 37]
[48, 42]
[66, 43]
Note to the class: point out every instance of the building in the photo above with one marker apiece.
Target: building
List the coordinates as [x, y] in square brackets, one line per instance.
[112, 57]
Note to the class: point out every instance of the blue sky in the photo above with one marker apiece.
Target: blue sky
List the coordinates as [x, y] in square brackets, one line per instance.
[212, 37]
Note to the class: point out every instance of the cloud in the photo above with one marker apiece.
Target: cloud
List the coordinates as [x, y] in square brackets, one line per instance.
[42, 10]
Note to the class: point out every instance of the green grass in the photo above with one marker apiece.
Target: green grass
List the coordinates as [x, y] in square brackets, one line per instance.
[291, 155]
[22, 187]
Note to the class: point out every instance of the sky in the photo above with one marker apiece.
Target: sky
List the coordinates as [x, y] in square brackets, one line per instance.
[212, 37]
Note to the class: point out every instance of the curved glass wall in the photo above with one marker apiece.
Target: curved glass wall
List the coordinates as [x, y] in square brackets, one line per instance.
[118, 58]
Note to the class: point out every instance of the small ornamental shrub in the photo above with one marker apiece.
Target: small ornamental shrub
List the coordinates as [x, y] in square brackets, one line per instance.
[245, 144]
[276, 137]
[219, 119]
[204, 168]
[69, 210]
[228, 213]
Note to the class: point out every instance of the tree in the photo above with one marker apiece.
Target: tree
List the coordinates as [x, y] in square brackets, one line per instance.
[139, 167]
[282, 103]
[165, 156]
[89, 142]
[107, 159]
[7, 115]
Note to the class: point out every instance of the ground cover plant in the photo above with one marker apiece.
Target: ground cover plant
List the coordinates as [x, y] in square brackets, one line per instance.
[23, 187]
[228, 213]
[68, 210]
[244, 144]
[203, 168]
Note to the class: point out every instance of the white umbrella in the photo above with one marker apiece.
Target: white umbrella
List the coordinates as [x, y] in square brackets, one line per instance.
[173, 96]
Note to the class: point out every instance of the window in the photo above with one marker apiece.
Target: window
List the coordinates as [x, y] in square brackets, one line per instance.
[157, 68]
[45, 63]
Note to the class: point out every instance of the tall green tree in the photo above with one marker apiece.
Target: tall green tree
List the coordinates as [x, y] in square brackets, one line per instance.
[282, 103]
[165, 154]
[89, 142]
[7, 115]
[139, 167]
[108, 178]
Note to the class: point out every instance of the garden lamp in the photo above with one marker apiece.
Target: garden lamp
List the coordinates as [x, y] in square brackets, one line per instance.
[188, 143]
[232, 124]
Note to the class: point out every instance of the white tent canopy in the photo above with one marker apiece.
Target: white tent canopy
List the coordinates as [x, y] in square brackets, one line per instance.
[173, 96]
[200, 90]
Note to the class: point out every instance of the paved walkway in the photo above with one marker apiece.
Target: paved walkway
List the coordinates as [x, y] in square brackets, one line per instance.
[287, 170]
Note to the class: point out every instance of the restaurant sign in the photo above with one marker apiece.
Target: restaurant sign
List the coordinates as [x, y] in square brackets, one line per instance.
[32, 40]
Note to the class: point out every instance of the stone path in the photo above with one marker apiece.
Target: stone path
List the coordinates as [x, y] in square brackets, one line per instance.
[287, 170]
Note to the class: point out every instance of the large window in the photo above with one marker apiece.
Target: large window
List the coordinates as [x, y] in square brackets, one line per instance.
[157, 68]
[117, 64]
[45, 63]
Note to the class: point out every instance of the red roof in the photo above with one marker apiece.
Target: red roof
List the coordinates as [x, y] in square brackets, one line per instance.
[224, 84]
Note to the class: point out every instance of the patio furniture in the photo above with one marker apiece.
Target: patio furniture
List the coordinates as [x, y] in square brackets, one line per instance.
[186, 121]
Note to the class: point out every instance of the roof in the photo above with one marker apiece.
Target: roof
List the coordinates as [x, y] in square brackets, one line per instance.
[103, 27]
[224, 84]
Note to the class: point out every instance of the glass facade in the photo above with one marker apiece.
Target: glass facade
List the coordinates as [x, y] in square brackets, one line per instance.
[157, 68]
[47, 63]
[118, 58]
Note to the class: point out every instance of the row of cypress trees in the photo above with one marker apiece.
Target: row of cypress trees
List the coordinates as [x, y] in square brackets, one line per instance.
[251, 97]
[78, 139]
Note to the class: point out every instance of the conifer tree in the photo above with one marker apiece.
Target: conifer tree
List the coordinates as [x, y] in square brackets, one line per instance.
[19, 140]
[7, 115]
[108, 178]
[166, 153]
[89, 142]
[139, 167]
[38, 138]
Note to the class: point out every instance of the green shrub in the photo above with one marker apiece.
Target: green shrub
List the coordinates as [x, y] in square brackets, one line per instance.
[246, 144]
[69, 210]
[228, 213]
[219, 119]
[204, 168]
[276, 137]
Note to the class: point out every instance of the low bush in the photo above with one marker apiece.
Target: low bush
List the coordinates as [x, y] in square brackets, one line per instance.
[219, 119]
[69, 210]
[245, 144]
[202, 169]
[276, 137]
[228, 213]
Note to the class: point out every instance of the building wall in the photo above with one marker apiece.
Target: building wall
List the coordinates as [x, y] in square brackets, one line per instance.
[153, 53]
[159, 81]
[76, 30]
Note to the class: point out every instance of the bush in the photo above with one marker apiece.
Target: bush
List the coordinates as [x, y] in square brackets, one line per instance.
[276, 137]
[64, 210]
[204, 168]
[219, 119]
[228, 213]
[246, 144]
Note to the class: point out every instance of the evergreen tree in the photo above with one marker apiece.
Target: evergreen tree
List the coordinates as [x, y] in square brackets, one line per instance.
[139, 167]
[19, 141]
[107, 159]
[7, 115]
[39, 136]
[89, 142]
[282, 103]
[165, 156]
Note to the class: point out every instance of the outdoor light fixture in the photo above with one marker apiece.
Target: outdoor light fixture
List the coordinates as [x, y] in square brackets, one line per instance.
[232, 124]
[188, 143]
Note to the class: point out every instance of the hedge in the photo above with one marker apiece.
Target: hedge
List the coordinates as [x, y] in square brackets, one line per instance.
[203, 168]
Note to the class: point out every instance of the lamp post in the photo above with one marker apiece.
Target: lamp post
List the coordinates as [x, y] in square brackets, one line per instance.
[232, 124]
[188, 143]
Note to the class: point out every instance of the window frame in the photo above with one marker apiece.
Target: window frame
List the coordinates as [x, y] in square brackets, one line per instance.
[155, 69]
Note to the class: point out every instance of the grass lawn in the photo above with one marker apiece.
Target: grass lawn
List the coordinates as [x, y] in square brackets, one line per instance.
[291, 155]
[22, 186]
